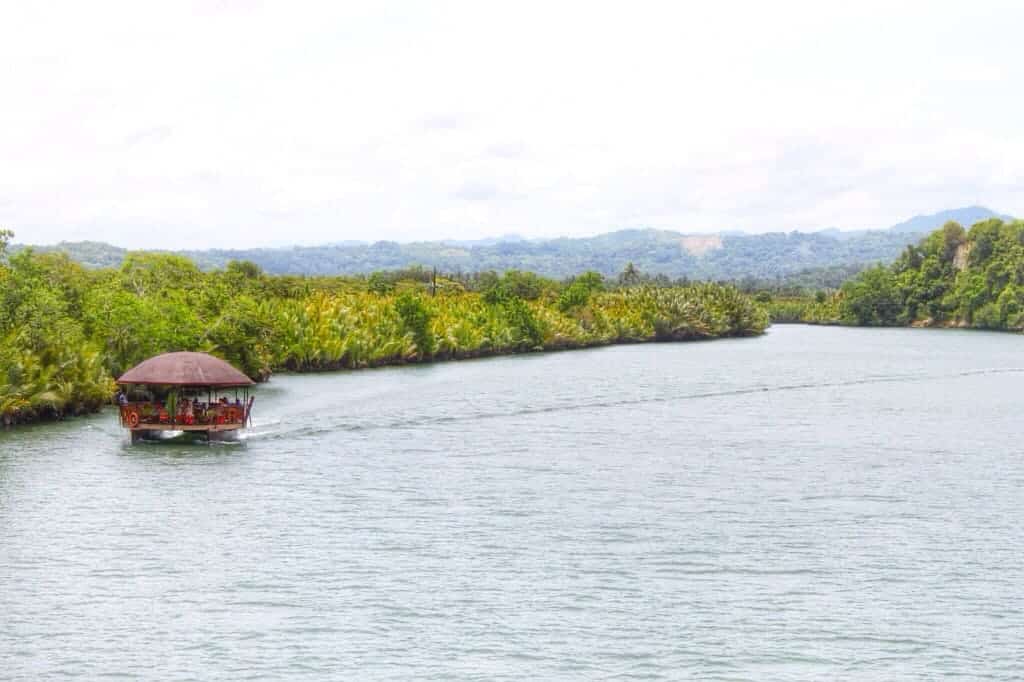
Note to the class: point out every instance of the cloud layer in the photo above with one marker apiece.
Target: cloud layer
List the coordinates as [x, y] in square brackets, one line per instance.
[259, 124]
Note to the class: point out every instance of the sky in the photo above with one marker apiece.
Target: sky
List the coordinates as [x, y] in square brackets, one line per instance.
[238, 124]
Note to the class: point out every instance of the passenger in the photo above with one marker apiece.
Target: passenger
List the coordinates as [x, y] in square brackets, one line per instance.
[122, 399]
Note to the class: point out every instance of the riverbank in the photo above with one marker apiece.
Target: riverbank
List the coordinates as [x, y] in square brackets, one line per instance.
[830, 313]
[10, 420]
[69, 331]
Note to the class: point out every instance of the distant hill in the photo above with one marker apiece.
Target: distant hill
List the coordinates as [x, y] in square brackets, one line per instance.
[759, 256]
[487, 241]
[652, 251]
[705, 256]
[923, 224]
[966, 216]
[89, 254]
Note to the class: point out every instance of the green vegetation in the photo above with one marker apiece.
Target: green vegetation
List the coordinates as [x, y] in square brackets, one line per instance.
[67, 329]
[819, 308]
[804, 283]
[952, 277]
[656, 252]
[48, 367]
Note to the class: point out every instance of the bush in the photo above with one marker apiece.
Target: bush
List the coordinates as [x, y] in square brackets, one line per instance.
[416, 322]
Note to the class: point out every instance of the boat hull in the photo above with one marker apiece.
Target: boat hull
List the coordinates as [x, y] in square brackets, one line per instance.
[213, 432]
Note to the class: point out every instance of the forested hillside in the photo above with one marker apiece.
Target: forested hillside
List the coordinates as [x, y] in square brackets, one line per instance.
[66, 330]
[707, 257]
[727, 256]
[953, 277]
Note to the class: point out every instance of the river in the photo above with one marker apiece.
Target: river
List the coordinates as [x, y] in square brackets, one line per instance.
[816, 503]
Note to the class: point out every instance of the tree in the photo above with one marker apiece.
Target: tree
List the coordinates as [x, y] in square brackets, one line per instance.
[146, 273]
[872, 299]
[416, 322]
[528, 332]
[379, 284]
[5, 239]
[577, 294]
[946, 241]
[524, 285]
[245, 269]
[630, 276]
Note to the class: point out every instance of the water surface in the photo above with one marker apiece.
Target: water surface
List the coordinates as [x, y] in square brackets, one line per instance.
[817, 503]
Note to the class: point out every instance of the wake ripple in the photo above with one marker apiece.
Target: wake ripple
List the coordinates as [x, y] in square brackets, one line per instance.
[375, 423]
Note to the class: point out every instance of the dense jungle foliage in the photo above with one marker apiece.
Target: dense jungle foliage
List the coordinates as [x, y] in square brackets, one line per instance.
[67, 330]
[953, 277]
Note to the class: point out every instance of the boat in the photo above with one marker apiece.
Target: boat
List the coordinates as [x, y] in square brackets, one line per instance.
[186, 392]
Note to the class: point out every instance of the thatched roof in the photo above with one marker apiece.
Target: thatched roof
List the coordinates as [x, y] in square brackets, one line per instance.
[185, 369]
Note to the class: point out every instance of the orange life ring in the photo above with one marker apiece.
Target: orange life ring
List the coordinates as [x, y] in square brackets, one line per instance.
[133, 419]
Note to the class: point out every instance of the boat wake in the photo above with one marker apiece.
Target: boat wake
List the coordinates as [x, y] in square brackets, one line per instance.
[374, 422]
[262, 430]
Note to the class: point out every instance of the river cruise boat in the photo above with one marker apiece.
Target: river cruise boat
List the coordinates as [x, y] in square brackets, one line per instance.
[184, 392]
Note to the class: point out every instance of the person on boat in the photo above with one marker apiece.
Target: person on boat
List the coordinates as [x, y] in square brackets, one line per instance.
[187, 413]
[122, 399]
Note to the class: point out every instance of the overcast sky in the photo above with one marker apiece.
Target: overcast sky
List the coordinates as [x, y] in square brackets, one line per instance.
[250, 124]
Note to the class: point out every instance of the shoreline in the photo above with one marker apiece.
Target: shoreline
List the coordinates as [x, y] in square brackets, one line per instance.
[6, 425]
[917, 324]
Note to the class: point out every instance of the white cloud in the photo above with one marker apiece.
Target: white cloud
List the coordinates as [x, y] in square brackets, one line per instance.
[173, 125]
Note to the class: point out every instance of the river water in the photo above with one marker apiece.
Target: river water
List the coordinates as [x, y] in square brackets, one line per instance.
[817, 503]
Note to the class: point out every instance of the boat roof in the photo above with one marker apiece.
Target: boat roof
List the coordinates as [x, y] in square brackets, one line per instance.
[185, 369]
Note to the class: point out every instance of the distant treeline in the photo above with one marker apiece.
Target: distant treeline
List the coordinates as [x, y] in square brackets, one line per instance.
[66, 330]
[766, 257]
[953, 277]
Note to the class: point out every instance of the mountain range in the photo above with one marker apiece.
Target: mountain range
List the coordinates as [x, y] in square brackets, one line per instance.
[705, 256]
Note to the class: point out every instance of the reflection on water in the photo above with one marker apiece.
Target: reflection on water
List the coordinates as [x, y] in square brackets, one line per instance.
[817, 503]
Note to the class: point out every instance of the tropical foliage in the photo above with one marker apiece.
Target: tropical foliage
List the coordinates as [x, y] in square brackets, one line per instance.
[48, 366]
[953, 277]
[67, 330]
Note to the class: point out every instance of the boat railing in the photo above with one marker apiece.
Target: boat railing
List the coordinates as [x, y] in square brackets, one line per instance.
[136, 414]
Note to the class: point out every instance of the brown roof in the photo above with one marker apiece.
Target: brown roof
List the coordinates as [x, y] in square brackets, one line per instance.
[185, 369]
